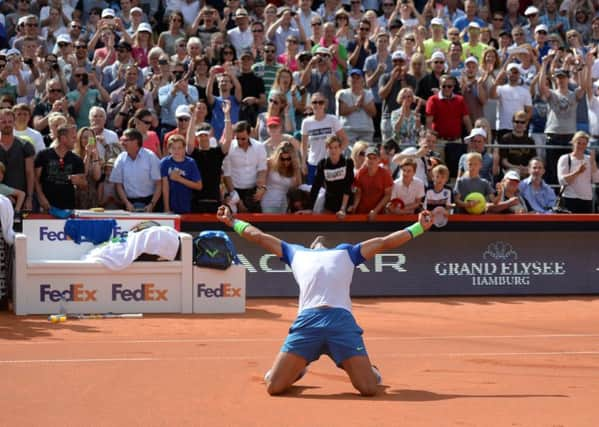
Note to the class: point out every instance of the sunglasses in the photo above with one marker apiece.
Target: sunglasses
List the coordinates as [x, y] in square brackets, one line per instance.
[364, 29]
[257, 31]
[147, 123]
[228, 52]
[78, 27]
[520, 122]
[362, 153]
[182, 119]
[163, 61]
[30, 25]
[517, 34]
[269, 51]
[80, 47]
[318, 102]
[438, 62]
[316, 24]
[497, 19]
[78, 75]
[410, 40]
[447, 86]
[292, 41]
[55, 90]
[274, 101]
[62, 44]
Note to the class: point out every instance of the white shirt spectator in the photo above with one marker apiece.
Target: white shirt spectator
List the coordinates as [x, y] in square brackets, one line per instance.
[243, 165]
[581, 187]
[32, 136]
[241, 40]
[511, 99]
[139, 175]
[110, 137]
[410, 193]
[318, 132]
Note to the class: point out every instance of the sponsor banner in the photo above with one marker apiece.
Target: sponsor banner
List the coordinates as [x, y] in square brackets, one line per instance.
[46, 239]
[99, 294]
[219, 291]
[447, 263]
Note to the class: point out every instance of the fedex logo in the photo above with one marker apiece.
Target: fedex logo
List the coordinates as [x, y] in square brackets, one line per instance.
[225, 290]
[75, 293]
[59, 236]
[146, 292]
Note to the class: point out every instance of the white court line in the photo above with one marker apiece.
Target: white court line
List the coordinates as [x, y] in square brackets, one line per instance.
[282, 337]
[199, 358]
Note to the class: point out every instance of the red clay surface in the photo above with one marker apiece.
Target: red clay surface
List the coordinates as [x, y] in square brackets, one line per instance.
[451, 361]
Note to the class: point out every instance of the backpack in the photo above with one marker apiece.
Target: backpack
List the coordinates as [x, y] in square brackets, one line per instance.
[214, 249]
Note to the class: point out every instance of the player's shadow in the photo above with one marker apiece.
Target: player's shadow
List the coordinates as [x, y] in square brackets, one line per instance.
[405, 395]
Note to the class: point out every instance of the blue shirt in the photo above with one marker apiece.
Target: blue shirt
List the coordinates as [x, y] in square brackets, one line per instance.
[169, 102]
[179, 195]
[138, 175]
[539, 201]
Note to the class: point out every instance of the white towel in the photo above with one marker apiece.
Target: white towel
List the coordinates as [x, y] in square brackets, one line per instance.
[7, 216]
[117, 255]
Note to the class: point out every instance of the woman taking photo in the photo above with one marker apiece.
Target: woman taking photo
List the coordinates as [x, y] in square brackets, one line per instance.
[86, 148]
[283, 175]
[142, 44]
[283, 85]
[405, 120]
[287, 58]
[577, 172]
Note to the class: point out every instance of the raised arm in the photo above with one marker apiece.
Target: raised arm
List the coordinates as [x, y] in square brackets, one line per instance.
[249, 232]
[375, 245]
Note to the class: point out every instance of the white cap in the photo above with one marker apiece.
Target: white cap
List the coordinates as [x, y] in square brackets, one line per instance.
[476, 132]
[512, 174]
[474, 24]
[514, 66]
[108, 12]
[64, 38]
[541, 27]
[241, 13]
[13, 51]
[183, 111]
[437, 21]
[531, 10]
[438, 55]
[144, 26]
[323, 50]
[398, 54]
[136, 9]
[471, 59]
[22, 20]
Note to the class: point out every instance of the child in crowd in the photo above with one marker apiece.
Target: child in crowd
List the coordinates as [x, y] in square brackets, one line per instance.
[408, 191]
[471, 182]
[17, 196]
[439, 194]
[180, 175]
[107, 197]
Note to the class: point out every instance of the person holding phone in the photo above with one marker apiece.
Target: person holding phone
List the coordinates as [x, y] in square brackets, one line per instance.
[87, 94]
[86, 148]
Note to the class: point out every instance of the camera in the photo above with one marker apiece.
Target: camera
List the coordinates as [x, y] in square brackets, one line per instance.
[28, 61]
[84, 79]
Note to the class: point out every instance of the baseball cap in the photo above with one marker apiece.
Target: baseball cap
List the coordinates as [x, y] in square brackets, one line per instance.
[398, 54]
[476, 132]
[183, 111]
[64, 38]
[356, 71]
[323, 50]
[505, 33]
[136, 9]
[437, 21]
[531, 10]
[108, 12]
[438, 55]
[541, 27]
[246, 52]
[273, 121]
[12, 52]
[512, 175]
[372, 150]
[471, 59]
[474, 25]
[204, 129]
[514, 66]
[144, 26]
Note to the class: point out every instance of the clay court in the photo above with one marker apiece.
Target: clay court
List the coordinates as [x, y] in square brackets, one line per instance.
[445, 361]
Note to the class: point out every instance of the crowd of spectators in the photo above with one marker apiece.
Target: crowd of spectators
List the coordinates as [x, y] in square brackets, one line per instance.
[335, 106]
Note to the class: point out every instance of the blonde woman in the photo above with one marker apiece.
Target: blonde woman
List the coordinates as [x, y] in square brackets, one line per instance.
[405, 120]
[417, 66]
[358, 154]
[85, 147]
[284, 174]
[55, 120]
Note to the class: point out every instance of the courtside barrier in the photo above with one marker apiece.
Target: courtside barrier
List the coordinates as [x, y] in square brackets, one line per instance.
[219, 291]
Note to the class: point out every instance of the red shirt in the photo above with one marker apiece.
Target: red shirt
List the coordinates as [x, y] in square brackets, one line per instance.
[372, 188]
[447, 115]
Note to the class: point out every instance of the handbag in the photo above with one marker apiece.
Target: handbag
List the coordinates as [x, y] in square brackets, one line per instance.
[560, 202]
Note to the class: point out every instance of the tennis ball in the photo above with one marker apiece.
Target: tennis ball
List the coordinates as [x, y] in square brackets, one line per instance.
[481, 203]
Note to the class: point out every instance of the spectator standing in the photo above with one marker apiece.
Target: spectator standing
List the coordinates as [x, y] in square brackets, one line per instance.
[86, 149]
[18, 157]
[136, 174]
[59, 172]
[173, 94]
[267, 68]
[229, 89]
[320, 76]
[373, 184]
[241, 36]
[515, 158]
[355, 107]
[283, 174]
[539, 196]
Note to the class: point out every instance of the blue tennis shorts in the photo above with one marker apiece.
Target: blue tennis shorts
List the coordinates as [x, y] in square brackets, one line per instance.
[330, 331]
